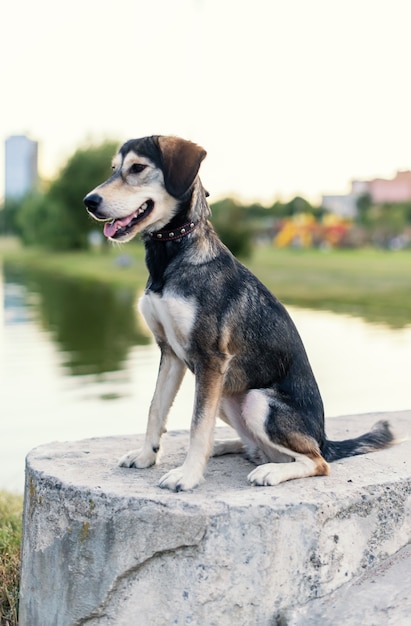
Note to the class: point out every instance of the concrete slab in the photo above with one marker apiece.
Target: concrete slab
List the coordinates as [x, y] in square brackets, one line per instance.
[104, 545]
[380, 597]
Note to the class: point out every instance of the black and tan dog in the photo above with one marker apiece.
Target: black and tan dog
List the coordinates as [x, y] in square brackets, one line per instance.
[209, 313]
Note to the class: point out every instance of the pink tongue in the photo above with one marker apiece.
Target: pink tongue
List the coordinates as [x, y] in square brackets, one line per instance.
[110, 228]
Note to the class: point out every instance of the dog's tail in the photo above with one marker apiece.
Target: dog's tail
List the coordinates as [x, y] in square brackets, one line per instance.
[380, 436]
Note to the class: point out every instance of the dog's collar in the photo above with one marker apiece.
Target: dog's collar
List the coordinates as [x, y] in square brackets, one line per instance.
[174, 233]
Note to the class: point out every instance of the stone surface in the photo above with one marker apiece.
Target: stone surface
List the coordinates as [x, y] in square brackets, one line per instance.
[380, 597]
[104, 545]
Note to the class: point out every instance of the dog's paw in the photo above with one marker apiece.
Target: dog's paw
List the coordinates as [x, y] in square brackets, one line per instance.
[139, 459]
[268, 474]
[179, 479]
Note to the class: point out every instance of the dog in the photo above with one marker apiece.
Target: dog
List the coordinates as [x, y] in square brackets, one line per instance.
[210, 314]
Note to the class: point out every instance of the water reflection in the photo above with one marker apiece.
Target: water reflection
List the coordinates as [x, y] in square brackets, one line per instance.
[94, 324]
[75, 362]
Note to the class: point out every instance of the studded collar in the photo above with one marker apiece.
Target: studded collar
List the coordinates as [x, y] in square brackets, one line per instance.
[174, 233]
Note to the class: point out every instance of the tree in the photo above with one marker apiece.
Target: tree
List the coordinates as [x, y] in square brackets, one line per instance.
[57, 218]
[230, 222]
[42, 222]
[88, 167]
[8, 216]
[364, 204]
[388, 221]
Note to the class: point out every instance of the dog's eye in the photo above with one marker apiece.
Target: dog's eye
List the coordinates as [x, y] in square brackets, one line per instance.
[136, 168]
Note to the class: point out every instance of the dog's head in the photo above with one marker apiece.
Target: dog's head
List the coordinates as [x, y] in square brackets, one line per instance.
[151, 177]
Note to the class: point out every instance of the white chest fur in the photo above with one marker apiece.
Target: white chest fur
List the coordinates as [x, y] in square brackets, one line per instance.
[171, 316]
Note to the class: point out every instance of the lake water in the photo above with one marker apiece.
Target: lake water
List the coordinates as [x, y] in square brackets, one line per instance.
[76, 361]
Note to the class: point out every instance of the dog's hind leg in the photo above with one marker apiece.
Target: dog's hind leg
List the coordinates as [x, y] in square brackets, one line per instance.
[230, 413]
[209, 384]
[300, 450]
[227, 446]
[304, 465]
[170, 376]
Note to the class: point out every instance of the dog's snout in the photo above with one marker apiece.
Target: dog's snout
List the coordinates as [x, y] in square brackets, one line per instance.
[93, 202]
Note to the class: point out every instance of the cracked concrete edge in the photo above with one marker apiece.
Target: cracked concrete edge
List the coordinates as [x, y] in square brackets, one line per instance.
[75, 491]
[102, 611]
[90, 543]
[381, 596]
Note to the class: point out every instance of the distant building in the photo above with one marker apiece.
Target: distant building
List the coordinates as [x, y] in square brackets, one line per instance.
[342, 205]
[392, 190]
[381, 190]
[21, 154]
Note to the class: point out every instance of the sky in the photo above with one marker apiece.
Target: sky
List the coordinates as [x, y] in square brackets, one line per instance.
[287, 96]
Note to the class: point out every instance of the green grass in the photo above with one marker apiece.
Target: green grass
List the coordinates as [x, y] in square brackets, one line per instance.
[11, 507]
[102, 266]
[373, 284]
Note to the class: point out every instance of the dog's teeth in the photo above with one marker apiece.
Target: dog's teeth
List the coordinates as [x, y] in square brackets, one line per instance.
[143, 207]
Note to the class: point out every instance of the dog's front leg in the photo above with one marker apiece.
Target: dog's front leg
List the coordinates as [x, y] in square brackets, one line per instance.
[208, 389]
[170, 375]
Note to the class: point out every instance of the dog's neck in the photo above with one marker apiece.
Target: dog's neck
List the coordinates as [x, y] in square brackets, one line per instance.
[193, 207]
[164, 245]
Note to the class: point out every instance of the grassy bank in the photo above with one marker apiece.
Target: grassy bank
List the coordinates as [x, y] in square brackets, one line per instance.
[10, 537]
[374, 284]
[117, 265]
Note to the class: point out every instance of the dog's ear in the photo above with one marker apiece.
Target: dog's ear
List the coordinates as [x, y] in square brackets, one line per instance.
[181, 162]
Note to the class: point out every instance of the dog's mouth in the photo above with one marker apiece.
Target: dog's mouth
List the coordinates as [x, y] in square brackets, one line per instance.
[118, 228]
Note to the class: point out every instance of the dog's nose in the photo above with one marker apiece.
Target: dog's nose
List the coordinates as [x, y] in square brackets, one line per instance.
[92, 202]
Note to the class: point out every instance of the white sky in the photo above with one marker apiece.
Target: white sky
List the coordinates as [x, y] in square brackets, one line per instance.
[287, 96]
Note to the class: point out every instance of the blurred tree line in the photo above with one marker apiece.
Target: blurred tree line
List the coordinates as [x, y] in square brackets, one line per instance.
[54, 216]
[385, 225]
